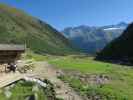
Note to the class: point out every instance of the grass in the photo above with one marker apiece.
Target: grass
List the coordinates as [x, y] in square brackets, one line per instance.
[85, 65]
[112, 91]
[119, 88]
[22, 90]
[30, 55]
[18, 27]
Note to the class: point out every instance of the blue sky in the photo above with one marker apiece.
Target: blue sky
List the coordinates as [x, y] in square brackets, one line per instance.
[64, 13]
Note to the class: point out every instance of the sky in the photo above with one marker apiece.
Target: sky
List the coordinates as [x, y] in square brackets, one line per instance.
[70, 13]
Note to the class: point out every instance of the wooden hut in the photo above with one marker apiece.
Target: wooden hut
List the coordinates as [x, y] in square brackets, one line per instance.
[10, 52]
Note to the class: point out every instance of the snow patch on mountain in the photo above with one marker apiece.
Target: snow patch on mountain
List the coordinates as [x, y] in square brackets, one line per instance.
[114, 28]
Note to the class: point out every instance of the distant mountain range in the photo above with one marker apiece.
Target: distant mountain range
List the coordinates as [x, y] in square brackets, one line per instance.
[120, 49]
[18, 27]
[93, 39]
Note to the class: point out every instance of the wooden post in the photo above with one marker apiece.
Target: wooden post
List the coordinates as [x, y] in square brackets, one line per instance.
[5, 67]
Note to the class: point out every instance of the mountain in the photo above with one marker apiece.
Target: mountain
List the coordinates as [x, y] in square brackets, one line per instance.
[93, 39]
[18, 27]
[119, 49]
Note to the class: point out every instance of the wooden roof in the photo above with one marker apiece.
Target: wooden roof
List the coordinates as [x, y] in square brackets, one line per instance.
[10, 52]
[12, 47]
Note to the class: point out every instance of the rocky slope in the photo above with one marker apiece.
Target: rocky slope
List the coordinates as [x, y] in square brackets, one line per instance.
[93, 39]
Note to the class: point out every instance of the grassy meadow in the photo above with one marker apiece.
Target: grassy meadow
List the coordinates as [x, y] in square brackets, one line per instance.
[22, 90]
[119, 87]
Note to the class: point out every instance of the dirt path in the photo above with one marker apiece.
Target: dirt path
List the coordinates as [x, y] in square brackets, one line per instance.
[44, 70]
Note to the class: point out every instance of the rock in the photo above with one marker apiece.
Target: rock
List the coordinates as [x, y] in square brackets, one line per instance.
[7, 94]
[59, 73]
[41, 83]
[35, 88]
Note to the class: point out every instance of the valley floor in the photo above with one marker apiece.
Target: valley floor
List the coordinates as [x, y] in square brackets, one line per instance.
[42, 70]
[82, 78]
[95, 80]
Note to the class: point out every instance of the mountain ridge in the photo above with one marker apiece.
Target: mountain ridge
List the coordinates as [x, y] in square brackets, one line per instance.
[119, 49]
[16, 26]
[92, 39]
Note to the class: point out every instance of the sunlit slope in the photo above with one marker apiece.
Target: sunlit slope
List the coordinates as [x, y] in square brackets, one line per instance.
[17, 26]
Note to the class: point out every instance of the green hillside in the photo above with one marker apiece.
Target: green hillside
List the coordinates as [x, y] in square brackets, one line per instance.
[121, 48]
[18, 27]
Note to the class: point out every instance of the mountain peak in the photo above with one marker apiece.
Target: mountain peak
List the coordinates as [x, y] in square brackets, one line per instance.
[92, 39]
[122, 24]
